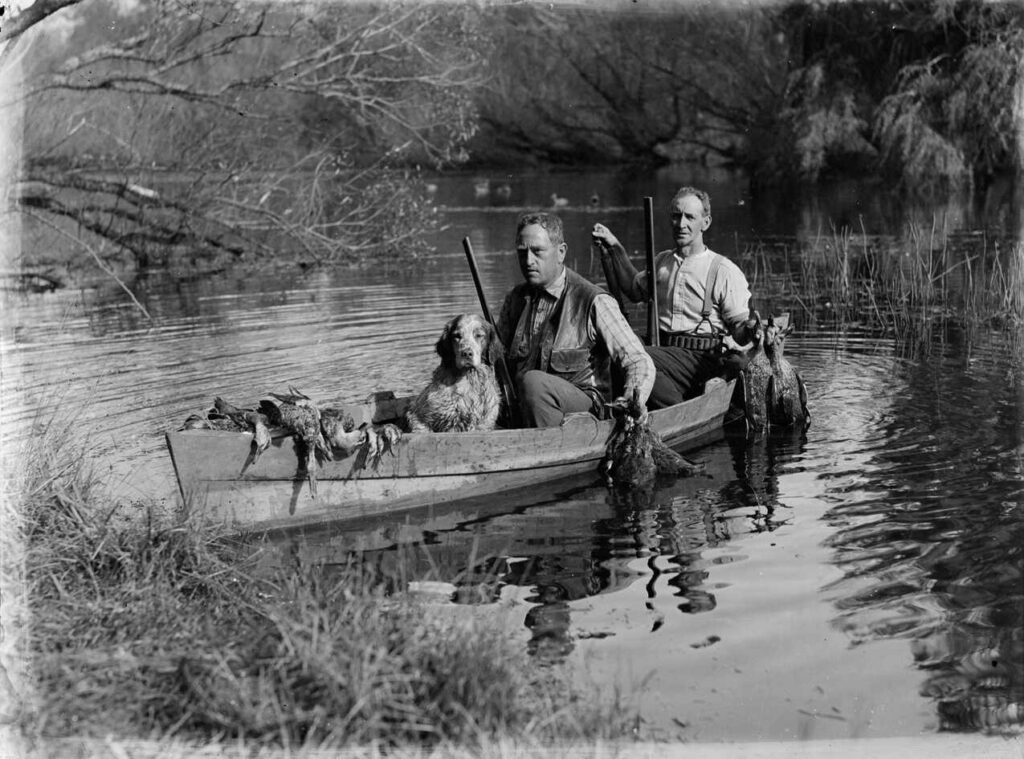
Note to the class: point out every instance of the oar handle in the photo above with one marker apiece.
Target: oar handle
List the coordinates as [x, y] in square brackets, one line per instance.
[652, 275]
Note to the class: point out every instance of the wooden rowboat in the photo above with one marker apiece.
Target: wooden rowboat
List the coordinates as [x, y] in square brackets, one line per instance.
[422, 469]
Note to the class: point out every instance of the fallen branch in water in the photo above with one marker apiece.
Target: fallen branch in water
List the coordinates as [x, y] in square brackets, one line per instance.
[99, 262]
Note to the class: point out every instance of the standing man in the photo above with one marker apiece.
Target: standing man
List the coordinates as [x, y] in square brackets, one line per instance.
[563, 334]
[701, 297]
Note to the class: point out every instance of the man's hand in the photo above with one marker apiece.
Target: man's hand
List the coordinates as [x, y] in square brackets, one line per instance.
[729, 345]
[629, 402]
[603, 236]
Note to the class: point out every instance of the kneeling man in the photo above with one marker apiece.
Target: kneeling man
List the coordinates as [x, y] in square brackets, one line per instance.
[563, 335]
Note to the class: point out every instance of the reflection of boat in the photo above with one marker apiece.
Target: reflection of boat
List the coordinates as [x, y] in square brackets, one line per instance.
[426, 468]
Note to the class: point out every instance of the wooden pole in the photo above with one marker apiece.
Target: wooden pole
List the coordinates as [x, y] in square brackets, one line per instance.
[652, 275]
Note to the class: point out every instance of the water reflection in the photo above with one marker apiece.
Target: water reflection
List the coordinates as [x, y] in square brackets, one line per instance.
[933, 551]
[903, 499]
[571, 541]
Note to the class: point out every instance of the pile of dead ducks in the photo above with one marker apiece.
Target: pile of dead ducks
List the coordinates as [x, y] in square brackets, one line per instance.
[774, 394]
[320, 432]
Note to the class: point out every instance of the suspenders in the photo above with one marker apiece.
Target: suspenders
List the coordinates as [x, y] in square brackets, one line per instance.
[709, 283]
[692, 340]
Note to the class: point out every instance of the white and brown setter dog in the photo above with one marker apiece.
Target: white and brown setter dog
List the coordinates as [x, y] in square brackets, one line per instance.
[463, 393]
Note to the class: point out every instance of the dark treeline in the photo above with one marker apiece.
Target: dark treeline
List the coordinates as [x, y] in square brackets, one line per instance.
[921, 89]
[305, 126]
[918, 90]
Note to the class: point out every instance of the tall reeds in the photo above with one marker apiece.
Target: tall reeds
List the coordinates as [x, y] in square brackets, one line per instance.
[148, 625]
[894, 285]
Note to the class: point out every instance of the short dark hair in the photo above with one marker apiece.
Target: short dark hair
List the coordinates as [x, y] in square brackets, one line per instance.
[703, 197]
[549, 221]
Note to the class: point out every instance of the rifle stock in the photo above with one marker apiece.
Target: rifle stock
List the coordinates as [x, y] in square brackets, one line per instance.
[508, 386]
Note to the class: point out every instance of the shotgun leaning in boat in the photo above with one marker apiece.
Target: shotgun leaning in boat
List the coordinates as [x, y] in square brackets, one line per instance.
[508, 386]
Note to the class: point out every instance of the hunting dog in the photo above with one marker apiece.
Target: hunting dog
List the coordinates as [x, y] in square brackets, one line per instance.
[463, 393]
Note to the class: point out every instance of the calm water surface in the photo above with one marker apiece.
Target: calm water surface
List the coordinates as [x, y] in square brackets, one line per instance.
[863, 579]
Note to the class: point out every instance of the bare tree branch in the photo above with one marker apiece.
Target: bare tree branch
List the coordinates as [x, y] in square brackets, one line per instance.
[252, 130]
[25, 19]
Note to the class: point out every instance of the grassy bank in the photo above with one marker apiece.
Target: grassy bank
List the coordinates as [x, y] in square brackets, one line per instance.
[147, 626]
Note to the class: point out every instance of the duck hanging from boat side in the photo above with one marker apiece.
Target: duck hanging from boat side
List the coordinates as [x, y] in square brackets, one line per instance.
[300, 415]
[755, 376]
[226, 417]
[786, 393]
[252, 420]
[635, 453]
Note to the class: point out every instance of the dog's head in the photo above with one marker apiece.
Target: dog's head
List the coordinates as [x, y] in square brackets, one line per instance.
[468, 342]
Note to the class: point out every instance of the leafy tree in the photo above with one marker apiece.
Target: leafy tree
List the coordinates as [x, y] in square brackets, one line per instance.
[951, 117]
[920, 90]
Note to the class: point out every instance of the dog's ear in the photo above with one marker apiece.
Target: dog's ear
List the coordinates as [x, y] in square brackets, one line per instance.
[444, 345]
[495, 350]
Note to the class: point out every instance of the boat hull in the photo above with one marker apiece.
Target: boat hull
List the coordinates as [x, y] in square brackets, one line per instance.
[422, 469]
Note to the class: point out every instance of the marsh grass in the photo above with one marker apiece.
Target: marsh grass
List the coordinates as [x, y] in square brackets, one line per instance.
[150, 626]
[899, 286]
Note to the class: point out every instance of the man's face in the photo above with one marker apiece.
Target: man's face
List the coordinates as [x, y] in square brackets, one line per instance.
[688, 221]
[539, 260]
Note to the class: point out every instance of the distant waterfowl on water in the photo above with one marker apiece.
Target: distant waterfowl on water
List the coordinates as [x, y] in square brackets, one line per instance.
[430, 187]
[558, 202]
[503, 191]
[482, 188]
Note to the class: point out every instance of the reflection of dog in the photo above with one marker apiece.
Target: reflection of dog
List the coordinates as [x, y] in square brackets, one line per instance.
[463, 393]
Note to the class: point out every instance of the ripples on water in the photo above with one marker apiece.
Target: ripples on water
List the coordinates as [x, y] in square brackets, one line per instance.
[931, 540]
[877, 558]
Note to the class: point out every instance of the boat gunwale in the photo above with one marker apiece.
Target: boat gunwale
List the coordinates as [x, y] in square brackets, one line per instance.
[402, 483]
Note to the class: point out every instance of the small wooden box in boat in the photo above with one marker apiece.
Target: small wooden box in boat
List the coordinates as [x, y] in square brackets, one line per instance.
[423, 468]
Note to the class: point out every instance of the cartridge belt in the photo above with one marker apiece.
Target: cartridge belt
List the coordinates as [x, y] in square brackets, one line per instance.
[690, 341]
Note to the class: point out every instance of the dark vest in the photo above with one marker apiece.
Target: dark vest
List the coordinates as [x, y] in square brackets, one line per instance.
[565, 349]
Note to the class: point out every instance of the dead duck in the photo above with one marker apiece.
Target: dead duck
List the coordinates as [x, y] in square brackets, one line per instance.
[300, 416]
[208, 422]
[786, 393]
[380, 440]
[339, 429]
[635, 454]
[251, 420]
[756, 375]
